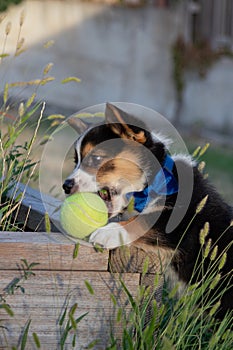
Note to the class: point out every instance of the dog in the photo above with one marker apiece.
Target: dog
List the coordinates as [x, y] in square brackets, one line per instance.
[129, 166]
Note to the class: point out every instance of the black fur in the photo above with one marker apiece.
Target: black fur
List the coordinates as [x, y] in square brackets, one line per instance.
[184, 239]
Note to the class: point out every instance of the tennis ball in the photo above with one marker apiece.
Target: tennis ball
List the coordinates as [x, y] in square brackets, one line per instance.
[82, 213]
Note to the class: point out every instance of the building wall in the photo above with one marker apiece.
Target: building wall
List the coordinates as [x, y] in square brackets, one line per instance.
[120, 54]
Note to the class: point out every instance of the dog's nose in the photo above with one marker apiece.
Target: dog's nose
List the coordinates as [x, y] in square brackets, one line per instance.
[68, 185]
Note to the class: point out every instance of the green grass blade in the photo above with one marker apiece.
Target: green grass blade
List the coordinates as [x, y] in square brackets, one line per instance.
[36, 340]
[25, 336]
[89, 287]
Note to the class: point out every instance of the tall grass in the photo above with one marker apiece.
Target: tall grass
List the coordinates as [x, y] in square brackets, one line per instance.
[17, 157]
[16, 164]
[186, 320]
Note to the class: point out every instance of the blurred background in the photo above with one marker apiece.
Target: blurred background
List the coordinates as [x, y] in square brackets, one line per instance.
[174, 56]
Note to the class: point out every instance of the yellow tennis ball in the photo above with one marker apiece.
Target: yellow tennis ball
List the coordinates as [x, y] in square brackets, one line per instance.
[82, 213]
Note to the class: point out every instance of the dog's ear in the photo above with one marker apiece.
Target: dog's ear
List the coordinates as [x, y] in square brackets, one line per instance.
[122, 124]
[77, 124]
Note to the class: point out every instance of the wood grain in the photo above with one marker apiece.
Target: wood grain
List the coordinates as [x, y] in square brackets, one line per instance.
[48, 293]
[52, 251]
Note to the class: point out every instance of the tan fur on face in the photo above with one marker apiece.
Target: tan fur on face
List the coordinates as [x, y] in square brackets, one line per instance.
[87, 148]
[126, 171]
[140, 137]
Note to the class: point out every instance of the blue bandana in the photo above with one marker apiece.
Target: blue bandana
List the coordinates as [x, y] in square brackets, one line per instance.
[164, 184]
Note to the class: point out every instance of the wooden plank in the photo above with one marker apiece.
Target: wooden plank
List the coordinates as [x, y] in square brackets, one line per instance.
[48, 293]
[52, 251]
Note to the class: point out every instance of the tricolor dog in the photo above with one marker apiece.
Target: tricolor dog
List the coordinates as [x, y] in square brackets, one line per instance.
[129, 166]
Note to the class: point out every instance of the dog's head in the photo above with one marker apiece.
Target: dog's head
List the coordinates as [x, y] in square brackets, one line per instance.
[117, 157]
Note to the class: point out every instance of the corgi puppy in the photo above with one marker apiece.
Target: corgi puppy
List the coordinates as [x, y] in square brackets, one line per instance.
[130, 167]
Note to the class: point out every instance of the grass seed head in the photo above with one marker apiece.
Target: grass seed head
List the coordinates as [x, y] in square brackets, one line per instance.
[21, 109]
[214, 253]
[215, 281]
[207, 248]
[21, 19]
[201, 204]
[8, 28]
[204, 149]
[203, 233]
[215, 308]
[222, 261]
[47, 68]
[201, 166]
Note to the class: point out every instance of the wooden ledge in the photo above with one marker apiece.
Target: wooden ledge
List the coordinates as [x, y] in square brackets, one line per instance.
[53, 251]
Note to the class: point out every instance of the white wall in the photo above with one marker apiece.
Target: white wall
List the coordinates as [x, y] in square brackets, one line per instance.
[121, 54]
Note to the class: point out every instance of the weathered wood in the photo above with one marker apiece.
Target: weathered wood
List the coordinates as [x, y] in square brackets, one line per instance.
[52, 250]
[46, 296]
[59, 282]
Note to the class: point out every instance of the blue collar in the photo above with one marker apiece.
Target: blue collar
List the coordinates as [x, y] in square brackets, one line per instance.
[163, 184]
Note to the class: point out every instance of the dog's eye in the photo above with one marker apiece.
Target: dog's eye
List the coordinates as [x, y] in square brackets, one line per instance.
[95, 160]
[92, 160]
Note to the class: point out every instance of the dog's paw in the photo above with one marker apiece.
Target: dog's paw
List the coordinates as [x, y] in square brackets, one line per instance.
[110, 236]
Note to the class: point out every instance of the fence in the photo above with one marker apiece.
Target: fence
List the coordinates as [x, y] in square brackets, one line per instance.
[211, 20]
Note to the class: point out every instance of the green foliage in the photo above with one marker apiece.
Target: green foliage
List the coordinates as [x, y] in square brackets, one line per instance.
[25, 335]
[178, 67]
[16, 157]
[4, 4]
[26, 271]
[16, 164]
[68, 325]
